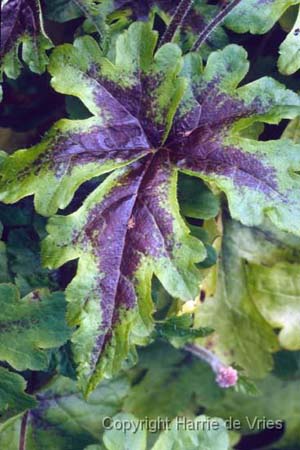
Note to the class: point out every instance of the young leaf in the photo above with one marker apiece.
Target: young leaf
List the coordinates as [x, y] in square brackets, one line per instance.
[30, 326]
[127, 230]
[21, 24]
[13, 399]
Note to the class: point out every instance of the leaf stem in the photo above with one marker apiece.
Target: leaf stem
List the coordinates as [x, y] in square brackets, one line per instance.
[214, 23]
[22, 441]
[180, 14]
[226, 376]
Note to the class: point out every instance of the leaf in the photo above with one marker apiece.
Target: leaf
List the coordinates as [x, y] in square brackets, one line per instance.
[30, 326]
[118, 259]
[63, 420]
[292, 131]
[207, 434]
[260, 173]
[257, 16]
[242, 335]
[114, 439]
[195, 199]
[276, 293]
[289, 60]
[154, 114]
[179, 330]
[204, 434]
[75, 151]
[180, 385]
[278, 401]
[13, 399]
[21, 24]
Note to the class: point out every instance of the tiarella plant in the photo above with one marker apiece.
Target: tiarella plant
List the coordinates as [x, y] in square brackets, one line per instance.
[173, 223]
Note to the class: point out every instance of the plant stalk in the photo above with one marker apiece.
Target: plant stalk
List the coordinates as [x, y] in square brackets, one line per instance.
[180, 14]
[226, 376]
[213, 24]
[22, 441]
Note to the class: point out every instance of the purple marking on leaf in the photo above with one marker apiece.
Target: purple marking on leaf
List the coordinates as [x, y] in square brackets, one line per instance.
[129, 223]
[139, 101]
[221, 108]
[204, 152]
[18, 17]
[122, 141]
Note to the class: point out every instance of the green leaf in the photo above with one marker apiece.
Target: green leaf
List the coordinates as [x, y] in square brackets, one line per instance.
[30, 326]
[292, 131]
[4, 275]
[257, 16]
[277, 401]
[179, 386]
[242, 335]
[13, 399]
[289, 60]
[208, 434]
[63, 420]
[115, 439]
[195, 198]
[179, 330]
[276, 293]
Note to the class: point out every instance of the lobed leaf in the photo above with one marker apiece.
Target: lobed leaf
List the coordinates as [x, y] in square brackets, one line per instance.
[210, 120]
[127, 230]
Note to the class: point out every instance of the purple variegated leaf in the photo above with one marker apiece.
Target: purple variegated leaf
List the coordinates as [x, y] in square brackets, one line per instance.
[127, 230]
[208, 142]
[154, 113]
[133, 101]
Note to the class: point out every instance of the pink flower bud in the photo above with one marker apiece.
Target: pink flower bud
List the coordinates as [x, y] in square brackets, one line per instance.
[226, 377]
